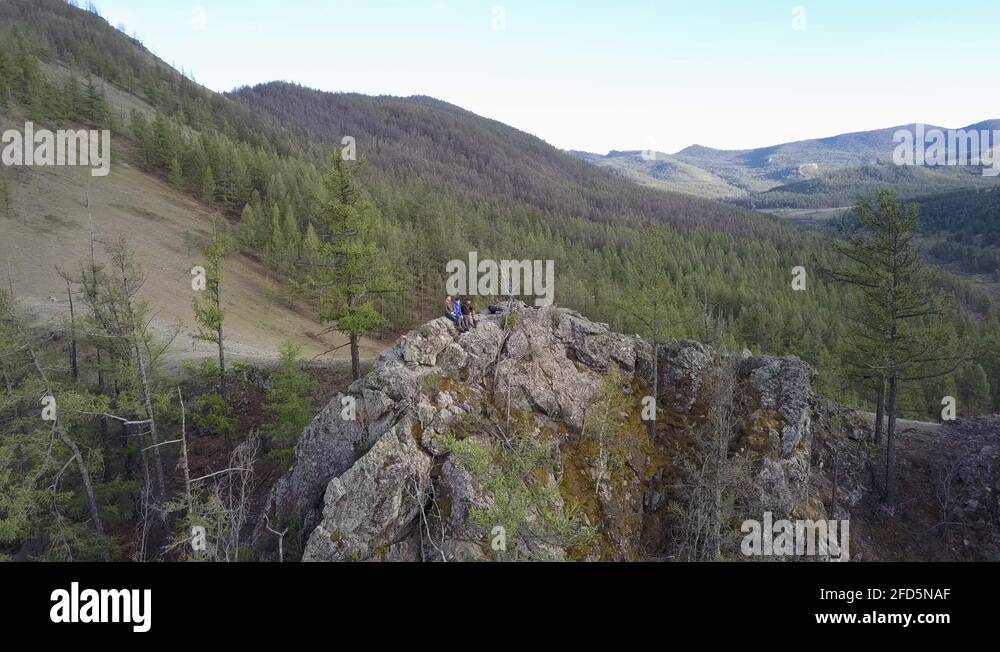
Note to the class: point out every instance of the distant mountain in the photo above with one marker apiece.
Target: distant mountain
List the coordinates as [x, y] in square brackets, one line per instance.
[659, 170]
[420, 139]
[821, 171]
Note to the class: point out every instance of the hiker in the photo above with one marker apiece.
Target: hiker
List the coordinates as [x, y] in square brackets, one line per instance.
[469, 313]
[459, 320]
[449, 310]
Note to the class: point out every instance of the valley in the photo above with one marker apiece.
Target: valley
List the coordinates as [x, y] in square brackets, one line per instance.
[315, 389]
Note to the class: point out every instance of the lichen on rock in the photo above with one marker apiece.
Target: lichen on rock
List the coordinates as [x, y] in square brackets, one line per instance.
[394, 484]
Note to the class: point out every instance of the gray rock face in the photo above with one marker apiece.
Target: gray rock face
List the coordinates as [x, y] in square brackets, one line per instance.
[785, 386]
[368, 507]
[461, 494]
[682, 369]
[523, 389]
[329, 446]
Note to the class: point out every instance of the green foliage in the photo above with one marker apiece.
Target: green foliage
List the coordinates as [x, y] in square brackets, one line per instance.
[208, 310]
[214, 414]
[289, 400]
[894, 334]
[42, 510]
[176, 175]
[208, 187]
[94, 108]
[842, 186]
[6, 80]
[605, 428]
[897, 338]
[350, 272]
[974, 392]
[525, 505]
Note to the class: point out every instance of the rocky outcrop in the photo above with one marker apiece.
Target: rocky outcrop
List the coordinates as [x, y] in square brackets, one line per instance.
[370, 505]
[968, 485]
[524, 438]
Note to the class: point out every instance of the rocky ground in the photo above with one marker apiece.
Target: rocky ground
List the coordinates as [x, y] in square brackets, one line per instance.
[525, 439]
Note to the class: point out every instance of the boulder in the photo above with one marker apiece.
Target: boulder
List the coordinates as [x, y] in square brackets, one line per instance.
[388, 486]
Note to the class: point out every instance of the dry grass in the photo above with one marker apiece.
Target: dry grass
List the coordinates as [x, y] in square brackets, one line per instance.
[50, 227]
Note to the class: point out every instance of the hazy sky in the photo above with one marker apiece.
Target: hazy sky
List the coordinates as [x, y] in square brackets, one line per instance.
[607, 75]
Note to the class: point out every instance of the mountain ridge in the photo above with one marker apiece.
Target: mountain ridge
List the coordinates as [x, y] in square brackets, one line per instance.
[763, 169]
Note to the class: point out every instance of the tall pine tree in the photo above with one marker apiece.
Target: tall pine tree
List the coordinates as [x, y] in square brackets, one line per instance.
[349, 273]
[893, 337]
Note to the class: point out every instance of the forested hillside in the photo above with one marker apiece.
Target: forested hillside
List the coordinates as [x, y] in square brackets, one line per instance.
[423, 139]
[445, 182]
[842, 187]
[966, 228]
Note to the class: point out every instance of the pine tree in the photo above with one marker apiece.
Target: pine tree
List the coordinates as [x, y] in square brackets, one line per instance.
[209, 313]
[289, 403]
[277, 253]
[139, 127]
[33, 443]
[250, 232]
[72, 99]
[891, 338]
[119, 327]
[974, 390]
[310, 245]
[208, 187]
[95, 107]
[164, 141]
[291, 235]
[646, 302]
[350, 273]
[27, 78]
[176, 175]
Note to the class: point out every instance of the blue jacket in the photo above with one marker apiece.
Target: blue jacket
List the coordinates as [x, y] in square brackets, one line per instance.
[458, 309]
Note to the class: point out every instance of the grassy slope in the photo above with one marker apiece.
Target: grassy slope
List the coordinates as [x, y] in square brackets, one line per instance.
[50, 228]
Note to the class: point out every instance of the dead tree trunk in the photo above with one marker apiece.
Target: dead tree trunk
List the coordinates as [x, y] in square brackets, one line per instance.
[148, 399]
[184, 449]
[60, 430]
[74, 367]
